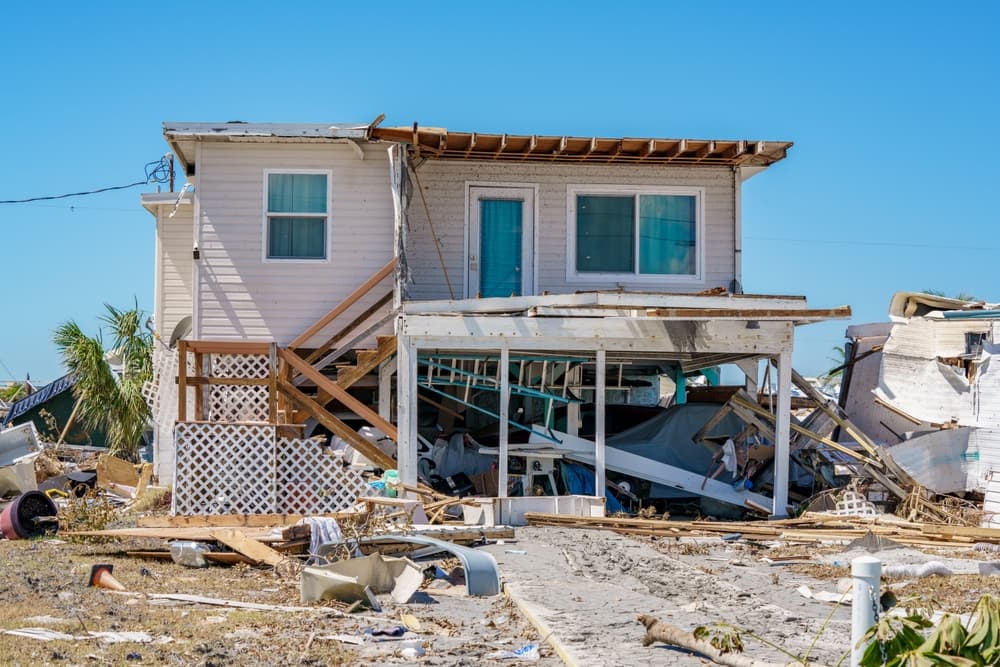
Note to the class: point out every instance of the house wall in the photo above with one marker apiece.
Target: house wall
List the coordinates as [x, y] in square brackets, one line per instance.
[174, 278]
[240, 296]
[444, 186]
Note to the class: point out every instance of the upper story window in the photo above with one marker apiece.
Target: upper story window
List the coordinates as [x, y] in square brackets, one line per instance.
[622, 233]
[297, 217]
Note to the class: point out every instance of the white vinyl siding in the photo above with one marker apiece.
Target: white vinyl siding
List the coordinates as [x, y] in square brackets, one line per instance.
[172, 292]
[241, 295]
[444, 183]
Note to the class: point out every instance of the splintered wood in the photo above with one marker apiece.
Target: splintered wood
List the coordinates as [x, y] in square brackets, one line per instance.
[811, 527]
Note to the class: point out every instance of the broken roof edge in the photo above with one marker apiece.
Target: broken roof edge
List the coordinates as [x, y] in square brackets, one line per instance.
[208, 130]
[441, 143]
[905, 305]
[151, 201]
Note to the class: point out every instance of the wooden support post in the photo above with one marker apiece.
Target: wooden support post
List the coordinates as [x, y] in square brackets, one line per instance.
[600, 398]
[782, 428]
[199, 389]
[272, 389]
[182, 380]
[326, 384]
[573, 409]
[339, 428]
[505, 421]
[406, 411]
[385, 371]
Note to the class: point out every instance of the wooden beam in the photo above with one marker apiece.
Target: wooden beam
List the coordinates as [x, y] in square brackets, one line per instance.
[232, 520]
[340, 308]
[751, 313]
[332, 388]
[355, 323]
[648, 150]
[256, 551]
[705, 151]
[201, 380]
[348, 376]
[339, 428]
[182, 364]
[679, 148]
[501, 147]
[227, 346]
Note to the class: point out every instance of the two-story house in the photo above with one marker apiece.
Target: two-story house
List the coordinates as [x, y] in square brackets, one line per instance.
[555, 258]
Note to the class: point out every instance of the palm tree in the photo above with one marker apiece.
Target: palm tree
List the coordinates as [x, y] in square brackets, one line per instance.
[111, 399]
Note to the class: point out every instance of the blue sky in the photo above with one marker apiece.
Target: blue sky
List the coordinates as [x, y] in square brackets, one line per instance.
[892, 107]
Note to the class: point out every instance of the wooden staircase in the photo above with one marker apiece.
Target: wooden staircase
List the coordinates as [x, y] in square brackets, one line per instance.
[296, 369]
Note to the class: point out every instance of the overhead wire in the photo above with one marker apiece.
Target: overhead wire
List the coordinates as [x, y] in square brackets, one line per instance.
[157, 171]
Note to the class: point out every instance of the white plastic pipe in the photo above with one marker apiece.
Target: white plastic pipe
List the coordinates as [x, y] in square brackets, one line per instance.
[865, 572]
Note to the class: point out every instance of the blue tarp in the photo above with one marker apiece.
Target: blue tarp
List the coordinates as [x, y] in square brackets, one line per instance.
[579, 480]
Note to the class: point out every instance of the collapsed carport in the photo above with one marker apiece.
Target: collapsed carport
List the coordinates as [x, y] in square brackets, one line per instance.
[687, 331]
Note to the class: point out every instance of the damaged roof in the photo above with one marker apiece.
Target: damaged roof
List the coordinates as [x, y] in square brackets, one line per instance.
[43, 395]
[448, 144]
[182, 135]
[441, 143]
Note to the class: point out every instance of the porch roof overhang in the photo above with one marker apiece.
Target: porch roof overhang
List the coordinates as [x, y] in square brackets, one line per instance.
[441, 143]
[627, 325]
[151, 201]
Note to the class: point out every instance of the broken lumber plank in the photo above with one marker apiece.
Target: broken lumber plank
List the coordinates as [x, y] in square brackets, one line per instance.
[335, 390]
[797, 314]
[339, 428]
[223, 558]
[235, 520]
[239, 542]
[202, 534]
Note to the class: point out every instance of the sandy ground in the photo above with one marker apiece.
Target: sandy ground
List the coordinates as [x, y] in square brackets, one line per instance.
[43, 585]
[589, 586]
[586, 587]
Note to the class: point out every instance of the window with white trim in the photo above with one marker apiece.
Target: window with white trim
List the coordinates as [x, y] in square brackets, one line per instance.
[618, 232]
[297, 216]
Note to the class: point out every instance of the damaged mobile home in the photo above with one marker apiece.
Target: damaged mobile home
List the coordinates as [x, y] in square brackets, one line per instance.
[926, 385]
[438, 302]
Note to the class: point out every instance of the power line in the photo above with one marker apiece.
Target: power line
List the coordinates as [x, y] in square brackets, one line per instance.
[890, 244]
[157, 171]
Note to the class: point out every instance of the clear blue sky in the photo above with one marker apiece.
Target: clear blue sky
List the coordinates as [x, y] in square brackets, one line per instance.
[893, 108]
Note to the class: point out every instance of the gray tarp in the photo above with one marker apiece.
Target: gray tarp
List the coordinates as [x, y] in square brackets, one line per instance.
[667, 438]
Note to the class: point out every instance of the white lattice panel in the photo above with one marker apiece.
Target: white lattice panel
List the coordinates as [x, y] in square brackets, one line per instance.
[238, 403]
[224, 468]
[313, 480]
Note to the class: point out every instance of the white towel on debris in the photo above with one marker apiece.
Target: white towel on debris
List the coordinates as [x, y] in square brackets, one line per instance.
[323, 530]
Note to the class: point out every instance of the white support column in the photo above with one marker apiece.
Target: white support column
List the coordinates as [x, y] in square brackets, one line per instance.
[504, 418]
[406, 411]
[782, 428]
[573, 409]
[600, 394]
[385, 371]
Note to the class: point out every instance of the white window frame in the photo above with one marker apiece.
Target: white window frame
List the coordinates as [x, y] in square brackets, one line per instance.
[467, 233]
[574, 276]
[327, 232]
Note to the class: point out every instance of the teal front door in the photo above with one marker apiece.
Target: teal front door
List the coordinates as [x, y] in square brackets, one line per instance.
[500, 242]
